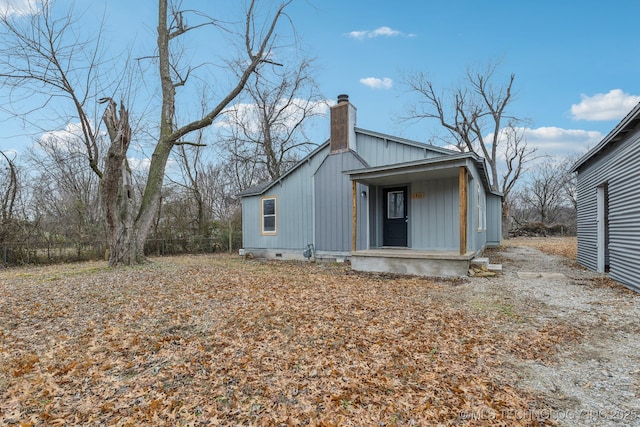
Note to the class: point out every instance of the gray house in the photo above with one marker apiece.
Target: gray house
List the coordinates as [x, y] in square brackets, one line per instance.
[387, 204]
[609, 203]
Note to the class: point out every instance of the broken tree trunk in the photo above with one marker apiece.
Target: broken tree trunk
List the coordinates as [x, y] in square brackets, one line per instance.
[116, 190]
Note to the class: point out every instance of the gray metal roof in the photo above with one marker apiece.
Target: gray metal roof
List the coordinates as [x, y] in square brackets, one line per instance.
[406, 141]
[447, 155]
[626, 125]
[262, 187]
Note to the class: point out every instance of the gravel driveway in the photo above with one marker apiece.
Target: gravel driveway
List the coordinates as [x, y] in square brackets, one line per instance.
[592, 380]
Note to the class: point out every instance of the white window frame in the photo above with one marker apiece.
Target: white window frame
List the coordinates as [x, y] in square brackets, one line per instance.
[274, 215]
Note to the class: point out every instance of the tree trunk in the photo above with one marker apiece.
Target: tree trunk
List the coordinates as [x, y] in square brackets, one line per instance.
[116, 191]
[506, 219]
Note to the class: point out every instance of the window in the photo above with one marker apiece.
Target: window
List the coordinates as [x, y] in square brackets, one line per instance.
[395, 204]
[482, 209]
[268, 215]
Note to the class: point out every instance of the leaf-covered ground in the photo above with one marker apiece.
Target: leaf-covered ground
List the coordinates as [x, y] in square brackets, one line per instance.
[216, 340]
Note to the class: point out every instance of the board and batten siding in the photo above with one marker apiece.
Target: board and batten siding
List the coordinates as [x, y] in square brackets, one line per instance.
[435, 217]
[618, 169]
[494, 220]
[377, 151]
[295, 213]
[333, 204]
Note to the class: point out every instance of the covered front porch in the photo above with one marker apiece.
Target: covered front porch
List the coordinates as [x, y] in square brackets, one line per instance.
[412, 261]
[415, 217]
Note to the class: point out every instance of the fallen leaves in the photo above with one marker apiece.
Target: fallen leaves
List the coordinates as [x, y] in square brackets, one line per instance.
[221, 341]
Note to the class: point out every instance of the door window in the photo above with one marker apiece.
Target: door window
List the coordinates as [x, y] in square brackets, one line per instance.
[395, 204]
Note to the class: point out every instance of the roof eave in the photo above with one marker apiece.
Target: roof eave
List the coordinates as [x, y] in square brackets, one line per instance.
[399, 168]
[629, 122]
[261, 190]
[405, 141]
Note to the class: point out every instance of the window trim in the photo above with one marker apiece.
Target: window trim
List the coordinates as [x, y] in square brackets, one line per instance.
[264, 232]
[482, 209]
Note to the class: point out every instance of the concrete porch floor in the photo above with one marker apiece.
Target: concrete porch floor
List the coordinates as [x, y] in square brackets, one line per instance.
[409, 261]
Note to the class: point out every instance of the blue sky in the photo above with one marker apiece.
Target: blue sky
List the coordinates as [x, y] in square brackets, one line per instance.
[577, 64]
[573, 62]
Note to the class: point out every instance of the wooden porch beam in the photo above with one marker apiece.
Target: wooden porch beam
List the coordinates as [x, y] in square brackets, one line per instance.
[463, 191]
[354, 216]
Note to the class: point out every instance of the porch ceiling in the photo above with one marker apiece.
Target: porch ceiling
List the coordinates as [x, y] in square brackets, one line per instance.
[394, 176]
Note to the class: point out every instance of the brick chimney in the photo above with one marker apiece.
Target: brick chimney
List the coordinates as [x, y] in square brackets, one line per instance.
[343, 123]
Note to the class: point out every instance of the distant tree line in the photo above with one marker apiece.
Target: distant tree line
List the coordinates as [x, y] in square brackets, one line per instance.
[51, 211]
[544, 202]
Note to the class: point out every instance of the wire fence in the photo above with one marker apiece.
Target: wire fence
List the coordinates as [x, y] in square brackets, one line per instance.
[38, 252]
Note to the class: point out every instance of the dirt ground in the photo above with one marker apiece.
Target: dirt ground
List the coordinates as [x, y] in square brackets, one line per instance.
[210, 340]
[594, 377]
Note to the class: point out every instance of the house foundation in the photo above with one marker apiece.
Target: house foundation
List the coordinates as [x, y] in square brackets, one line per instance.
[419, 263]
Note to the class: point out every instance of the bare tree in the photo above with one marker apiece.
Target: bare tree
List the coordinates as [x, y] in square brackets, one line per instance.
[268, 129]
[67, 201]
[208, 193]
[571, 183]
[193, 167]
[8, 194]
[44, 59]
[9, 176]
[545, 191]
[476, 118]
[40, 56]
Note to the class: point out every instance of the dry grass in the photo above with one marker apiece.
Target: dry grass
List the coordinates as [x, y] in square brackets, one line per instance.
[562, 246]
[566, 247]
[220, 341]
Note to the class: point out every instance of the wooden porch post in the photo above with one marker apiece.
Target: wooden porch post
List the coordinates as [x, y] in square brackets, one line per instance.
[463, 191]
[354, 216]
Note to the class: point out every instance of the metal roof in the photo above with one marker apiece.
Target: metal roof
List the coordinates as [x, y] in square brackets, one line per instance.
[380, 135]
[262, 187]
[626, 125]
[447, 156]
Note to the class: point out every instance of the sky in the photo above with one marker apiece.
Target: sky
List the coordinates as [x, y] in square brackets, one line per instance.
[576, 64]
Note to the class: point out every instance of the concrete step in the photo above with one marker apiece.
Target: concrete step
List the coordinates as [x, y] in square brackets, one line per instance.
[484, 262]
[480, 261]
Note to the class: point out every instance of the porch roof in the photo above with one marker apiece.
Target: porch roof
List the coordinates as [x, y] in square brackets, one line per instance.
[436, 167]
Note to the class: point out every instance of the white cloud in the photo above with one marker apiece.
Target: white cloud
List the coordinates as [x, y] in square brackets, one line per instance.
[18, 7]
[139, 164]
[358, 34]
[69, 139]
[377, 83]
[557, 141]
[553, 141]
[383, 31]
[249, 114]
[613, 105]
